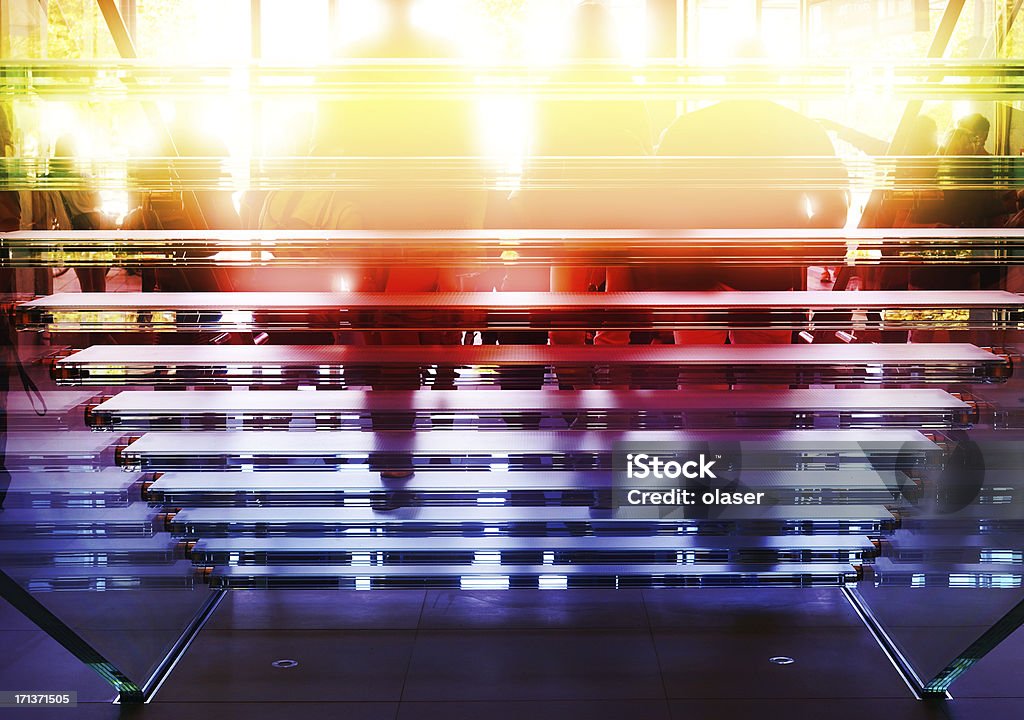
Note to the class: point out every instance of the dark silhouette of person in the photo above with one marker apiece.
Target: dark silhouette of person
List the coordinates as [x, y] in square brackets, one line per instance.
[965, 203]
[965, 200]
[569, 180]
[579, 128]
[196, 207]
[10, 220]
[84, 208]
[979, 126]
[395, 133]
[758, 184]
[914, 179]
[10, 202]
[1001, 205]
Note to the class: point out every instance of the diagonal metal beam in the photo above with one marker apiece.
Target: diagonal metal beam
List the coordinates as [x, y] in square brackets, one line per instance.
[1002, 31]
[181, 645]
[940, 41]
[56, 628]
[996, 633]
[902, 665]
[118, 28]
[936, 50]
[256, 27]
[1013, 16]
[128, 691]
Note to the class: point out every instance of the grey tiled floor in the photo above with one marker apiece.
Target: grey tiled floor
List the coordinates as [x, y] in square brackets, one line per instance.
[416, 655]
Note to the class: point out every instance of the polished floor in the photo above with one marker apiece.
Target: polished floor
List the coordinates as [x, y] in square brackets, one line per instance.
[503, 655]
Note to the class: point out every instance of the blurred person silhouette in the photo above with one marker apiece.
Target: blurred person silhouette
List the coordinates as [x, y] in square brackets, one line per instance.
[190, 139]
[956, 209]
[197, 207]
[10, 202]
[568, 130]
[761, 188]
[84, 207]
[390, 131]
[991, 276]
[394, 134]
[966, 199]
[43, 210]
[187, 157]
[921, 141]
[913, 188]
[302, 209]
[19, 210]
[10, 220]
[583, 127]
[761, 134]
[966, 203]
[979, 126]
[571, 180]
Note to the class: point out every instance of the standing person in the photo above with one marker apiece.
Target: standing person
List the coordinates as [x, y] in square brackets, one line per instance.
[10, 202]
[585, 128]
[10, 221]
[561, 186]
[1003, 204]
[211, 209]
[191, 140]
[84, 208]
[963, 205]
[393, 134]
[197, 206]
[978, 126]
[761, 135]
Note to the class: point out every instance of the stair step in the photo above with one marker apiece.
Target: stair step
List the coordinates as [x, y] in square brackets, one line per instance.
[592, 549]
[354, 409]
[64, 451]
[189, 489]
[487, 365]
[105, 488]
[176, 576]
[245, 311]
[170, 451]
[202, 522]
[135, 520]
[949, 575]
[157, 549]
[553, 577]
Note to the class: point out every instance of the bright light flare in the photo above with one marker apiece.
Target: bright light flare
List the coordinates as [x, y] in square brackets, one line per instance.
[548, 30]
